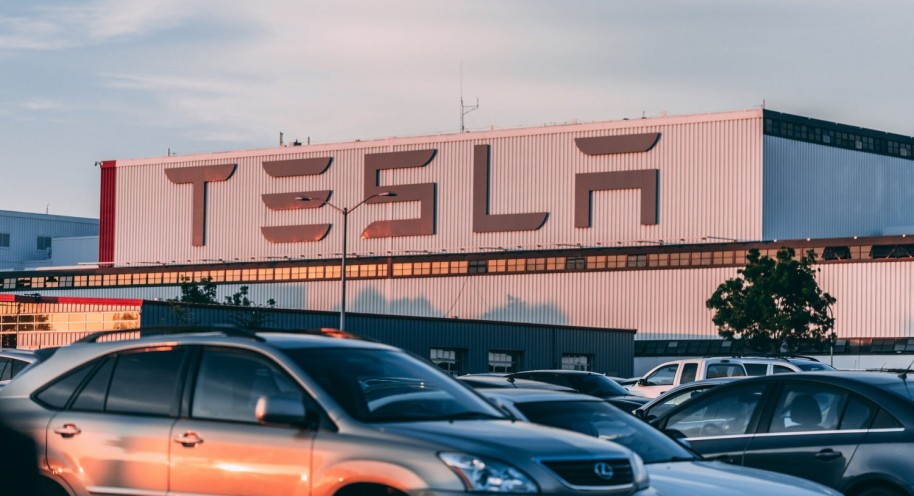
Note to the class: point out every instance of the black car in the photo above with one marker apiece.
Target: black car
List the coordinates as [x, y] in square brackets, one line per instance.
[679, 395]
[477, 381]
[591, 383]
[853, 431]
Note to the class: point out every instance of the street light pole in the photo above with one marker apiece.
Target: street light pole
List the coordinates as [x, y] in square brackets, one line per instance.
[345, 211]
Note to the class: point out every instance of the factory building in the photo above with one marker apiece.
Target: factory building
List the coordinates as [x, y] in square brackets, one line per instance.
[27, 240]
[621, 225]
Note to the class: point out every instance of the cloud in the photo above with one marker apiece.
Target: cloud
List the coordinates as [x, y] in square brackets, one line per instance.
[43, 105]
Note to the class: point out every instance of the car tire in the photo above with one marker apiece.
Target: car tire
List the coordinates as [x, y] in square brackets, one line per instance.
[47, 487]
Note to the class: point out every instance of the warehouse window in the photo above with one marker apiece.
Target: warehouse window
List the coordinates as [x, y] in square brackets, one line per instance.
[573, 361]
[451, 360]
[504, 361]
[44, 242]
[4, 240]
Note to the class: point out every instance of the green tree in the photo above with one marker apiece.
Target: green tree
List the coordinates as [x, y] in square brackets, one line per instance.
[249, 314]
[774, 306]
[197, 292]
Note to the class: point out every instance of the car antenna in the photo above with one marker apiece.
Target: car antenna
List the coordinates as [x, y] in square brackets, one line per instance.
[904, 374]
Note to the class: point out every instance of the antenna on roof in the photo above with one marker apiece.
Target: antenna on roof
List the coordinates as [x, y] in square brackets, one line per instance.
[465, 109]
[904, 375]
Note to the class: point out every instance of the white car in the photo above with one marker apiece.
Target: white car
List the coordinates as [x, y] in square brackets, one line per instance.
[668, 375]
[673, 469]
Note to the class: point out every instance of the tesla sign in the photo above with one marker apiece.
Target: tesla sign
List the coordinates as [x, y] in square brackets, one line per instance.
[585, 184]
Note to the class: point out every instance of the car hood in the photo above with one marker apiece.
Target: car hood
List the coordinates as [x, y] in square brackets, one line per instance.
[701, 478]
[496, 438]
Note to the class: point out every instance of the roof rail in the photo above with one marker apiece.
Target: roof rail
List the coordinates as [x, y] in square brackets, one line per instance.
[224, 329]
[229, 330]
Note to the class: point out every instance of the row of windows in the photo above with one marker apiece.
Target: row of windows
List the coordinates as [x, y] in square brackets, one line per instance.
[453, 360]
[42, 242]
[443, 268]
[12, 324]
[839, 136]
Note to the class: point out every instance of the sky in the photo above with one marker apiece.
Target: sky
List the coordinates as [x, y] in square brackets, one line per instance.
[83, 81]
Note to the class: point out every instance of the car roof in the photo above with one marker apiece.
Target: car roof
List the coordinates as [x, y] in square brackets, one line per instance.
[561, 371]
[24, 355]
[487, 381]
[527, 395]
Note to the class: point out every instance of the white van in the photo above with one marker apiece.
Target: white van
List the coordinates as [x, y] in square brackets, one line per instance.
[668, 375]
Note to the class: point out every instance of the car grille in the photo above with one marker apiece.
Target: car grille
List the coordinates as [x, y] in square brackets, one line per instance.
[592, 473]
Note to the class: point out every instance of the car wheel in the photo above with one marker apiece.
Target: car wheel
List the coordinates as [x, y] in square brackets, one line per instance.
[47, 487]
[368, 490]
[879, 491]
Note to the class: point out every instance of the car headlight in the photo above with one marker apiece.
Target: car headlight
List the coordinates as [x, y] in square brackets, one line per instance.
[639, 473]
[484, 475]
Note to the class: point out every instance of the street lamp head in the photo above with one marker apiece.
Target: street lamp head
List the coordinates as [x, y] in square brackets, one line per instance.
[387, 193]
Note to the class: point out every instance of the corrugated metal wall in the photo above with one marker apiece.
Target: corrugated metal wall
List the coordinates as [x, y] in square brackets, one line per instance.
[541, 346]
[709, 169]
[25, 228]
[815, 191]
[873, 299]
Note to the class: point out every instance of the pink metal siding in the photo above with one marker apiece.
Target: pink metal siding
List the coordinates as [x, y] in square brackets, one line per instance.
[709, 167]
[873, 299]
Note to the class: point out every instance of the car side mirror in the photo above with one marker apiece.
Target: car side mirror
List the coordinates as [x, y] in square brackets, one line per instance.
[281, 409]
[645, 415]
[644, 382]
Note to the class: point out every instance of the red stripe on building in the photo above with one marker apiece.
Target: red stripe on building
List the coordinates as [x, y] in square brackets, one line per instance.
[78, 300]
[106, 212]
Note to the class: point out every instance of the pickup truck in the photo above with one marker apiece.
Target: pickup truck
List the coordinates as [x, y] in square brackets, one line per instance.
[668, 375]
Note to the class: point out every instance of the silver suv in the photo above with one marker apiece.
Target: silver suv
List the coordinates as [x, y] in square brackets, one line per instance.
[236, 413]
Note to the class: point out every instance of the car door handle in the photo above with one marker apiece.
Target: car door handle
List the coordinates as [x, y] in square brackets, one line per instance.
[189, 439]
[828, 454]
[68, 430]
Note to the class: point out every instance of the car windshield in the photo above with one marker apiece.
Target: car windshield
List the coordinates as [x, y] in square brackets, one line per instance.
[596, 385]
[597, 418]
[389, 386]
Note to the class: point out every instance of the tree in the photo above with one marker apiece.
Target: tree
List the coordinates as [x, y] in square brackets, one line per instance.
[249, 314]
[774, 306]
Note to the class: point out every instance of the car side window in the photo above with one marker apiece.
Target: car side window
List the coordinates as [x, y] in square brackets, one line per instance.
[146, 382]
[57, 393]
[724, 414]
[230, 382]
[808, 407]
[6, 369]
[664, 376]
[858, 414]
[756, 368]
[780, 369]
[884, 420]
[674, 400]
[18, 366]
[92, 396]
[724, 370]
[689, 371]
